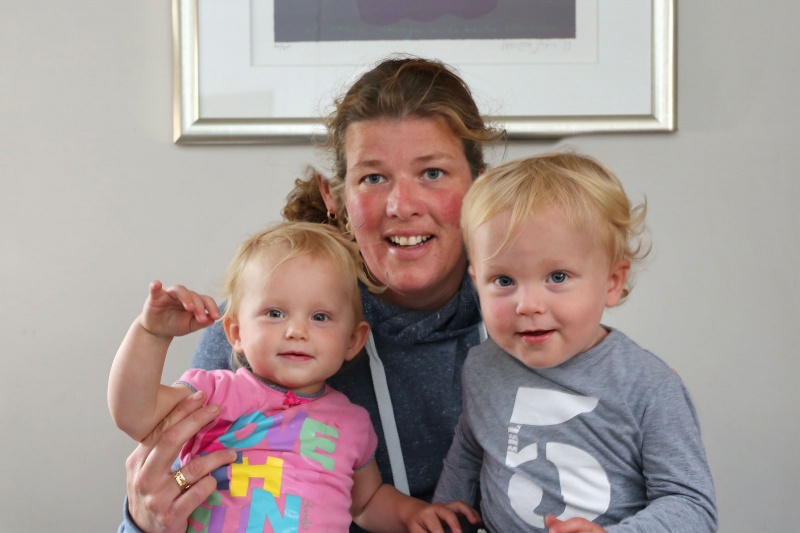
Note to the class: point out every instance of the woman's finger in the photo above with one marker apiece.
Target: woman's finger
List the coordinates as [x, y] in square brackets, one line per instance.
[185, 504]
[202, 465]
[153, 458]
[156, 500]
[180, 425]
[202, 485]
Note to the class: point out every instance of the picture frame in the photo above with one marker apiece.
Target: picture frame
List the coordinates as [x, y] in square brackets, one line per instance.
[232, 84]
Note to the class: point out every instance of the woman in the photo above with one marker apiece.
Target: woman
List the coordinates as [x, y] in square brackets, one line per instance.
[406, 141]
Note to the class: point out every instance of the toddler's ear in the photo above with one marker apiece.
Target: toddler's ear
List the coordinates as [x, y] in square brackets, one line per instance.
[231, 327]
[616, 282]
[357, 340]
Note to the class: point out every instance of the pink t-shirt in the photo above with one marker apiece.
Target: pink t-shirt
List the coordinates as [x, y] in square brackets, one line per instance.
[294, 472]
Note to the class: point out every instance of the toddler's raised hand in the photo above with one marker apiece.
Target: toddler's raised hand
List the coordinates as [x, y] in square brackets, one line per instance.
[175, 311]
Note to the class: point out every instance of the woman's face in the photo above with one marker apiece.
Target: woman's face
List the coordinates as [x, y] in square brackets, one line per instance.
[404, 186]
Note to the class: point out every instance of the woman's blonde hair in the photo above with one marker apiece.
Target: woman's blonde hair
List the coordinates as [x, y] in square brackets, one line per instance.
[587, 193]
[295, 239]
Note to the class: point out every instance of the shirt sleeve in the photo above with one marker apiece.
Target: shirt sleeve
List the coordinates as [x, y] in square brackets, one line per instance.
[234, 392]
[127, 525]
[678, 480]
[462, 466]
[363, 426]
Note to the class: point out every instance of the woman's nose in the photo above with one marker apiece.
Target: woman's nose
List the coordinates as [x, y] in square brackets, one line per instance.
[405, 199]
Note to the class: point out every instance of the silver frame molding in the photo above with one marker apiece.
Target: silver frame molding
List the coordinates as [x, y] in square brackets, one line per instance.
[190, 128]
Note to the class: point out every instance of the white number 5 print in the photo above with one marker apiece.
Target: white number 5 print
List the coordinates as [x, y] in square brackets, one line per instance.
[584, 484]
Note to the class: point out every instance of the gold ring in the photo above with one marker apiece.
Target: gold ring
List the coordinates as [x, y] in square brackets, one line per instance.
[180, 479]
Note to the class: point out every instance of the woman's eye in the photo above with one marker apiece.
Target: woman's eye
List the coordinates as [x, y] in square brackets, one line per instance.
[275, 313]
[503, 281]
[558, 277]
[372, 179]
[434, 173]
[319, 317]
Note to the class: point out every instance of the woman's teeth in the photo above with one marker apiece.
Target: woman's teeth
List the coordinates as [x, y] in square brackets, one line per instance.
[409, 241]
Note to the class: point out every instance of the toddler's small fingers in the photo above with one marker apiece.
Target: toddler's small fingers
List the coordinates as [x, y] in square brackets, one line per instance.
[210, 306]
[155, 287]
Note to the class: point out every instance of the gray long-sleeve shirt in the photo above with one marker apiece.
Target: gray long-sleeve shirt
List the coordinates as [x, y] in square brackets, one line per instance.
[610, 435]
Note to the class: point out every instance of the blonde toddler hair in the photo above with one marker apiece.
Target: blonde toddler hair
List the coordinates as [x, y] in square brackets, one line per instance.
[321, 241]
[587, 193]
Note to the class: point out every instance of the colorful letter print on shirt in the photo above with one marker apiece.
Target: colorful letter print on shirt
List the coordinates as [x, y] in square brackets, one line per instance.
[295, 460]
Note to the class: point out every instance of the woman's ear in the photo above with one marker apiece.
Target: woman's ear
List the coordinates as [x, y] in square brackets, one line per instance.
[231, 328]
[357, 340]
[325, 191]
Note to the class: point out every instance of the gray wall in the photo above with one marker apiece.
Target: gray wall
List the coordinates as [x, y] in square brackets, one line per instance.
[95, 201]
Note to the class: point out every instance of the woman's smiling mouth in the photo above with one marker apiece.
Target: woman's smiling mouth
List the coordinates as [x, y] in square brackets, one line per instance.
[409, 241]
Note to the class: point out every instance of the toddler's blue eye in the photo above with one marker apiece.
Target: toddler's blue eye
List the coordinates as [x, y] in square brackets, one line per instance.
[275, 313]
[558, 277]
[503, 281]
[320, 317]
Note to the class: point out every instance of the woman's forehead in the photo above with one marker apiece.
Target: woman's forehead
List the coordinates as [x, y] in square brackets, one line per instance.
[381, 141]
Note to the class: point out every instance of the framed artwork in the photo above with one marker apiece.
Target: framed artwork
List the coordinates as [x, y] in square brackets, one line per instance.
[267, 71]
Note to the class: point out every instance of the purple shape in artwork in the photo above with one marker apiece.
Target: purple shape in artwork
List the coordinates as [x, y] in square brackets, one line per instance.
[390, 11]
[417, 20]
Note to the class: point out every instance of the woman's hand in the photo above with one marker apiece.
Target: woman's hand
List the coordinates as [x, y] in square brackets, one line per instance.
[155, 501]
